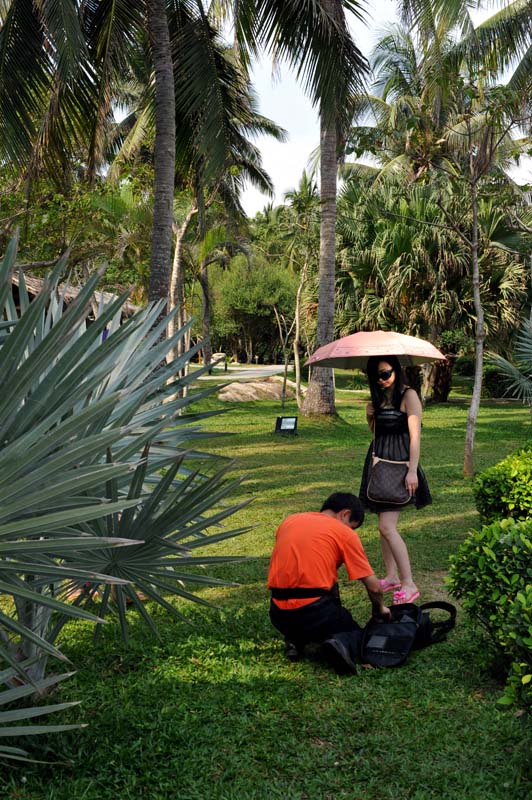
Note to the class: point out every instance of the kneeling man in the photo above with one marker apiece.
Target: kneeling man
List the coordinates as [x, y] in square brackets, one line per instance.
[305, 605]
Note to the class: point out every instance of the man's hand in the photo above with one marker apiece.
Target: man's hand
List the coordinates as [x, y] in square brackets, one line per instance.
[376, 596]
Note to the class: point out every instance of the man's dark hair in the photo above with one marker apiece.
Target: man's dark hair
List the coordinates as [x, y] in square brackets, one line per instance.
[340, 500]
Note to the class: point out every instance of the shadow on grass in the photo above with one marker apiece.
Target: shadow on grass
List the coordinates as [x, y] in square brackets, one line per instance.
[215, 711]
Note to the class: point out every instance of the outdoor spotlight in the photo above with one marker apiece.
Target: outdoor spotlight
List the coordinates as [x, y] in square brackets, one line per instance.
[286, 425]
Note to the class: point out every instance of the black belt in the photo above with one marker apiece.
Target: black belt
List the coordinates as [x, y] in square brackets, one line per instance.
[296, 593]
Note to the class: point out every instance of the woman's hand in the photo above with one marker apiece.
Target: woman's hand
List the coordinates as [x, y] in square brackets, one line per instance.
[411, 481]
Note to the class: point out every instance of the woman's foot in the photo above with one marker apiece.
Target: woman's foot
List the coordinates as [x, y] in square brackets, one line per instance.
[388, 584]
[408, 593]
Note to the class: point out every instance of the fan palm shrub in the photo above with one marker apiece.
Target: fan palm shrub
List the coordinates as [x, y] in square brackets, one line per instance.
[517, 372]
[97, 456]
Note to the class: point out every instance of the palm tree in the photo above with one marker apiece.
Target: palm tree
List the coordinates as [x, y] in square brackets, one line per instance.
[405, 267]
[69, 63]
[207, 176]
[455, 133]
[66, 88]
[312, 36]
[517, 372]
[163, 150]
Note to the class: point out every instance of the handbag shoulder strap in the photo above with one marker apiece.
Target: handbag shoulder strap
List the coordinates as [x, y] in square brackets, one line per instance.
[374, 433]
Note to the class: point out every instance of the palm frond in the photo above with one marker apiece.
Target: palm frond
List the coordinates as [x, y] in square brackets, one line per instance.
[312, 39]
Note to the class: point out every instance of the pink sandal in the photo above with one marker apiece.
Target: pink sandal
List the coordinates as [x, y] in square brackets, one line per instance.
[400, 597]
[386, 586]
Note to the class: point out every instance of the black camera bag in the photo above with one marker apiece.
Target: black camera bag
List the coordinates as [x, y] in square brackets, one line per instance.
[387, 642]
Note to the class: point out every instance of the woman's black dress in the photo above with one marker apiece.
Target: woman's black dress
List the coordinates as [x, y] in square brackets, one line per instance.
[392, 441]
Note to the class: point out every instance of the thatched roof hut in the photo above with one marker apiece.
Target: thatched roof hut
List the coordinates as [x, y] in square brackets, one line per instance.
[34, 286]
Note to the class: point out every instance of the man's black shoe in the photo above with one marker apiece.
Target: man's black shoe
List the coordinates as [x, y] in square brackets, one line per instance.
[338, 656]
[291, 651]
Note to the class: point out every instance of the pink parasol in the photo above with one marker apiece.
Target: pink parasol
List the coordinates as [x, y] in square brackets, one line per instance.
[354, 350]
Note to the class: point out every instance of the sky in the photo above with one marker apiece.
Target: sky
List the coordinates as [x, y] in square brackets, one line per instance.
[283, 100]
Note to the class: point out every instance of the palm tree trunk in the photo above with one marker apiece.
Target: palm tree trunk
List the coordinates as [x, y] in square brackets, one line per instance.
[176, 295]
[480, 335]
[164, 150]
[206, 313]
[319, 398]
[297, 333]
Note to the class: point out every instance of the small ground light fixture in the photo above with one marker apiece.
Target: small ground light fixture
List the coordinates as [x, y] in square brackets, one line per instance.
[286, 425]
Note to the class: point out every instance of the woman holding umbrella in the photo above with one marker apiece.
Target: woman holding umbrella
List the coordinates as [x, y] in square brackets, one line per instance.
[394, 418]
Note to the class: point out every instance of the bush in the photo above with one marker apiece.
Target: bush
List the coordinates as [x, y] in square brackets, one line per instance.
[359, 380]
[454, 342]
[492, 383]
[92, 455]
[491, 574]
[490, 567]
[517, 640]
[505, 490]
[465, 365]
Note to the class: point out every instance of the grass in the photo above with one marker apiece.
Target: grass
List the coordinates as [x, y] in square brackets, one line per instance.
[214, 712]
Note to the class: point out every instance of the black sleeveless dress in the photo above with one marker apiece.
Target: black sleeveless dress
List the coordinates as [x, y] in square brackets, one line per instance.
[392, 440]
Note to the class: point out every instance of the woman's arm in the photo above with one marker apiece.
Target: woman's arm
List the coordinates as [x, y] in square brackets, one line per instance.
[413, 410]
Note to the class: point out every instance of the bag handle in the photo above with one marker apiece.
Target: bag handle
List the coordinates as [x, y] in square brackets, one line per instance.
[443, 605]
[440, 627]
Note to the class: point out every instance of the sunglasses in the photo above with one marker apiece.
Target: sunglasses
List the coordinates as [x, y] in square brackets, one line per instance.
[384, 374]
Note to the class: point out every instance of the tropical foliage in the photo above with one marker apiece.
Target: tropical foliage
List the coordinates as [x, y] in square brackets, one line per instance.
[449, 130]
[246, 301]
[517, 372]
[97, 456]
[405, 267]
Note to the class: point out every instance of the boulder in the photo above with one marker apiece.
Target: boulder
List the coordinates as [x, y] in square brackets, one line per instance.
[270, 388]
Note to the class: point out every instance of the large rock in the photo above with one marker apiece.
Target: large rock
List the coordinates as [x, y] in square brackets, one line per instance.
[270, 388]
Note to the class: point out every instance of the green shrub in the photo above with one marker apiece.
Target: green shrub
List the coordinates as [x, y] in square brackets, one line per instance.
[490, 567]
[491, 575]
[454, 342]
[95, 452]
[517, 642]
[465, 365]
[359, 380]
[505, 490]
[492, 383]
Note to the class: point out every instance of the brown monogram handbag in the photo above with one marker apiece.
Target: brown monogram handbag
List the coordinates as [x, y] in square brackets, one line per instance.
[387, 481]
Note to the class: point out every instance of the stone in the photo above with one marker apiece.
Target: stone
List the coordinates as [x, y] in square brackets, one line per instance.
[270, 388]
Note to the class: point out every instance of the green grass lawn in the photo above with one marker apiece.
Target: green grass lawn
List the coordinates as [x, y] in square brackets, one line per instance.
[215, 712]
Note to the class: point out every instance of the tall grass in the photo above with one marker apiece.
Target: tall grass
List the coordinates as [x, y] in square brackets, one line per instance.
[214, 711]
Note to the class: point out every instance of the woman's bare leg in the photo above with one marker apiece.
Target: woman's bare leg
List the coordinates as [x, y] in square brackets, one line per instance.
[395, 553]
[392, 572]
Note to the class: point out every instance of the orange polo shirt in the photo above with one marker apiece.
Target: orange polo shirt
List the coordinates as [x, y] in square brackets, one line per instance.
[308, 550]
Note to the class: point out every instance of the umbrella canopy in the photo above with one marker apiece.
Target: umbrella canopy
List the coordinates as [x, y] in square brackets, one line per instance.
[354, 350]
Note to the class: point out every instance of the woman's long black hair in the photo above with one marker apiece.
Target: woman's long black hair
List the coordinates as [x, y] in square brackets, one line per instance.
[377, 392]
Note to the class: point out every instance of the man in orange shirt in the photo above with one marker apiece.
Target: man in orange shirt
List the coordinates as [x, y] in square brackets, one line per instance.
[305, 605]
